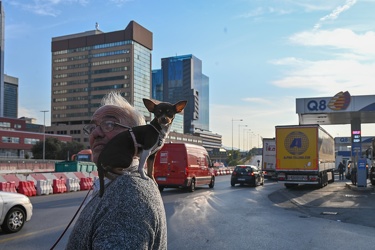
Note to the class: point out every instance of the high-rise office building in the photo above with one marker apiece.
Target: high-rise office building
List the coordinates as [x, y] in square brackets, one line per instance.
[181, 78]
[86, 66]
[10, 96]
[2, 31]
[8, 84]
[157, 84]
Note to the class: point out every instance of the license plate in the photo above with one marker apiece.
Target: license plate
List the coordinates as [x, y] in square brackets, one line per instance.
[241, 179]
[297, 177]
[161, 178]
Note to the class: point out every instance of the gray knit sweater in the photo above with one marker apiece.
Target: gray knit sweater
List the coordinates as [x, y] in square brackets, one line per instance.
[130, 215]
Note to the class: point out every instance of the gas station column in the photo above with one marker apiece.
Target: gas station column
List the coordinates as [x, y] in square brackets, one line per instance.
[357, 153]
[356, 139]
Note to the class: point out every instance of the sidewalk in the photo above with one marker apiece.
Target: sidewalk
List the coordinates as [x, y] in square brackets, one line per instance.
[369, 186]
[339, 201]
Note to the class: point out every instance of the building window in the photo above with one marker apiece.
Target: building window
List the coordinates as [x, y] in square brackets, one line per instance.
[32, 141]
[5, 124]
[6, 139]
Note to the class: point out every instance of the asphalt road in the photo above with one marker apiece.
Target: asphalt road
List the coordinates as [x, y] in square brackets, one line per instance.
[225, 217]
[338, 201]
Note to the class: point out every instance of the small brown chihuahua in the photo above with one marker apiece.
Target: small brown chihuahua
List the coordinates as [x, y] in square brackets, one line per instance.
[145, 140]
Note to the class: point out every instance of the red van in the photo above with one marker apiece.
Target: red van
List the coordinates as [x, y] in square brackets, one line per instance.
[183, 165]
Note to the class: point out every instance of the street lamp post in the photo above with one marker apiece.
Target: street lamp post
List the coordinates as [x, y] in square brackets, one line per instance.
[246, 138]
[251, 139]
[44, 133]
[259, 140]
[239, 135]
[233, 120]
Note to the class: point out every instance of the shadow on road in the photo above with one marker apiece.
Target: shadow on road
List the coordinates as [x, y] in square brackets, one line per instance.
[336, 201]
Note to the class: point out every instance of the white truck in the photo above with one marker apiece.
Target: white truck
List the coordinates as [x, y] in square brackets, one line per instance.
[305, 154]
[269, 158]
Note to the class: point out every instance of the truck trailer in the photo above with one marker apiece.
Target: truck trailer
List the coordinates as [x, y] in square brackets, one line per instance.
[305, 154]
[269, 158]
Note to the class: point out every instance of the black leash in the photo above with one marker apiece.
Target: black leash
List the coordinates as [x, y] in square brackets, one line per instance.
[58, 240]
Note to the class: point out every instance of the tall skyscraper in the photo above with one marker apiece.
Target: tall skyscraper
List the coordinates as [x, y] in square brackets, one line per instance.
[181, 78]
[2, 31]
[10, 96]
[157, 84]
[86, 66]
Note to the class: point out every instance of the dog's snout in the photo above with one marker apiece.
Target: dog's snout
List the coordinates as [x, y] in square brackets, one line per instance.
[164, 120]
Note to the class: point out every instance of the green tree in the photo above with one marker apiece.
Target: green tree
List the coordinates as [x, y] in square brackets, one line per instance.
[55, 149]
[233, 158]
[68, 149]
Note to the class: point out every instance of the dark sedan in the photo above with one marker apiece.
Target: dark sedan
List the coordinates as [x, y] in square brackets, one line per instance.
[247, 174]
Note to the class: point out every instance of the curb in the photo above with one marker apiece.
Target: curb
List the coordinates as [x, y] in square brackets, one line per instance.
[351, 186]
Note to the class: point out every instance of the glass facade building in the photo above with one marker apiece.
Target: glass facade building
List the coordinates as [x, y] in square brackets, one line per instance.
[2, 38]
[157, 84]
[88, 65]
[181, 78]
[10, 96]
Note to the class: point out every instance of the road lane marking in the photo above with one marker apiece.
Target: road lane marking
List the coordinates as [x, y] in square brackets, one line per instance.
[30, 234]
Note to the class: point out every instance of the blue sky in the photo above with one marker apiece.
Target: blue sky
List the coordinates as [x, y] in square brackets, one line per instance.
[259, 55]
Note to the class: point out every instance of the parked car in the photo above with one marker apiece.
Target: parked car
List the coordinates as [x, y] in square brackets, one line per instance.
[247, 174]
[15, 210]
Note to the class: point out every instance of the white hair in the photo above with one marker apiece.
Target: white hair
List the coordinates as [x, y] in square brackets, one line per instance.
[133, 117]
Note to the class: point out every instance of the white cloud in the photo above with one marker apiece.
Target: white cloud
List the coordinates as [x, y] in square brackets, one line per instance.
[335, 13]
[347, 62]
[360, 44]
[287, 61]
[257, 100]
[36, 114]
[316, 5]
[279, 11]
[260, 11]
[253, 13]
[259, 117]
[120, 2]
[46, 7]
[327, 76]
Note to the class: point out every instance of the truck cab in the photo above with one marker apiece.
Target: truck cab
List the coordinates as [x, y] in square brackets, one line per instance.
[83, 155]
[183, 165]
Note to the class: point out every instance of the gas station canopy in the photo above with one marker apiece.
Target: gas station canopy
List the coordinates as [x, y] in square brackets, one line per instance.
[339, 109]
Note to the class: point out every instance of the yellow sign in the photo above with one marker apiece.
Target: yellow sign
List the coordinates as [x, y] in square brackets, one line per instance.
[296, 148]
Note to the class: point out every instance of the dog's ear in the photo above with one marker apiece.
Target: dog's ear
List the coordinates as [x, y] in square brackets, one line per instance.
[179, 106]
[150, 105]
